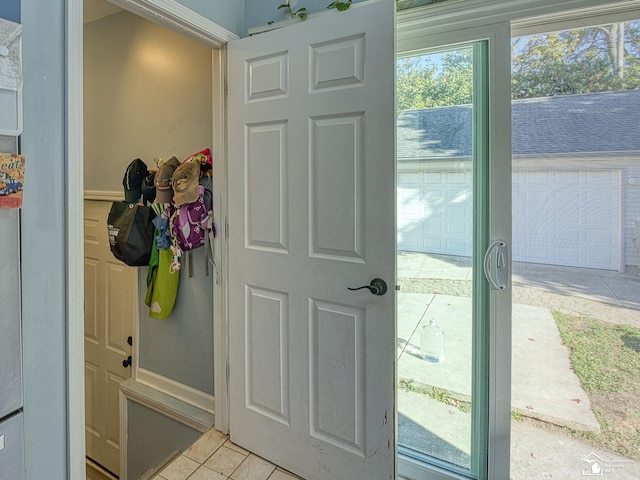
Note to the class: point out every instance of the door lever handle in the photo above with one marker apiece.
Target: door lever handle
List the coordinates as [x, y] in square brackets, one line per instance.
[377, 287]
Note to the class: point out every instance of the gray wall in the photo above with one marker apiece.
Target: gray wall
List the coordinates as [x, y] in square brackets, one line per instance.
[153, 438]
[10, 10]
[227, 14]
[43, 241]
[148, 93]
[181, 347]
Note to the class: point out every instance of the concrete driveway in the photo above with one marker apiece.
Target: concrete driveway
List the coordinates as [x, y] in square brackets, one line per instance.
[544, 385]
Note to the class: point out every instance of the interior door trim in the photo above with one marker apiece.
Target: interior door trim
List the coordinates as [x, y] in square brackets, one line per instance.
[165, 10]
[180, 19]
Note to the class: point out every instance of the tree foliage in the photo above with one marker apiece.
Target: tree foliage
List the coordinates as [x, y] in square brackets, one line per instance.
[435, 80]
[594, 59]
[586, 60]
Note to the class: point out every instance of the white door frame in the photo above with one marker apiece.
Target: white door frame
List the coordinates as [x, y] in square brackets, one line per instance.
[176, 17]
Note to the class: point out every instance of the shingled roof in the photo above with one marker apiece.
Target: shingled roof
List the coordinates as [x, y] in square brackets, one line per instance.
[586, 123]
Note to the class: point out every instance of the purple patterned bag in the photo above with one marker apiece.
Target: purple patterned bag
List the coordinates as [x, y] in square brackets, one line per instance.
[191, 224]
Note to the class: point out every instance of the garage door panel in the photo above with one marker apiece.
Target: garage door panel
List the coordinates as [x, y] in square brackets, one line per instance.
[567, 237]
[564, 179]
[432, 243]
[434, 178]
[564, 197]
[598, 236]
[459, 178]
[433, 198]
[410, 210]
[444, 224]
[563, 218]
[567, 218]
[412, 242]
[571, 252]
[458, 246]
[542, 178]
[409, 179]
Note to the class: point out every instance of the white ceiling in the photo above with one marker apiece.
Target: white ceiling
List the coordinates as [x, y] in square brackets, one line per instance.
[96, 9]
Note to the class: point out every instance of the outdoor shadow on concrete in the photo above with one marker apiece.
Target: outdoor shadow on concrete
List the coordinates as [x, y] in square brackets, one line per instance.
[606, 286]
[416, 437]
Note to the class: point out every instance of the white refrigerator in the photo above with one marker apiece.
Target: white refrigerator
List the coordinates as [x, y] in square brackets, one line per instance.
[11, 426]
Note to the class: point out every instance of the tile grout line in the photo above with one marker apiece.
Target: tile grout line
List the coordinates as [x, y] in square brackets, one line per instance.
[238, 450]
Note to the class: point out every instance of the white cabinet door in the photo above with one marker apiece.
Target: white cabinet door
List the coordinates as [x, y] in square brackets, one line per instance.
[311, 213]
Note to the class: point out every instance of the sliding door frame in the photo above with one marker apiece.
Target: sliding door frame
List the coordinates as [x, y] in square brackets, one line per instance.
[448, 24]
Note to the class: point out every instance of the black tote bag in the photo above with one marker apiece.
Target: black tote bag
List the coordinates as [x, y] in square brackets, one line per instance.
[131, 232]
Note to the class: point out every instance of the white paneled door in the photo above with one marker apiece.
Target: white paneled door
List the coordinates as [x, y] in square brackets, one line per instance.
[110, 305]
[311, 213]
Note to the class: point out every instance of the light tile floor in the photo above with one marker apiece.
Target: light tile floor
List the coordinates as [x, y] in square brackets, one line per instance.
[215, 457]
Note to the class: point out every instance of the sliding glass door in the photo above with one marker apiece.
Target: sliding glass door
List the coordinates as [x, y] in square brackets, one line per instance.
[453, 236]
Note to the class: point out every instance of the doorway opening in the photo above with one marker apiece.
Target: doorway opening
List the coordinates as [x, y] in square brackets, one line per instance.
[142, 99]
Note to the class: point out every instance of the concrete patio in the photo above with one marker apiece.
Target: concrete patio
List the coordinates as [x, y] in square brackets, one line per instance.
[544, 385]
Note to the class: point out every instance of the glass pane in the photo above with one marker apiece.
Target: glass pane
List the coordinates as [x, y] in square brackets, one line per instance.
[435, 244]
[576, 252]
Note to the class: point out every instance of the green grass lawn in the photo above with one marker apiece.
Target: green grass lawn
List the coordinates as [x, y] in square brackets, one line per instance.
[606, 358]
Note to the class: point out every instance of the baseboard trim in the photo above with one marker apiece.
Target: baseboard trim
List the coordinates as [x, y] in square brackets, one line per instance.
[178, 390]
[100, 469]
[167, 405]
[104, 195]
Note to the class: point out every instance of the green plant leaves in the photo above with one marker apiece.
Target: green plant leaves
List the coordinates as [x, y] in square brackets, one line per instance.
[301, 13]
[340, 6]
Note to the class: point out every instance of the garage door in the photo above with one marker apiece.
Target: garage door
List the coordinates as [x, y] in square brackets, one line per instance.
[567, 218]
[435, 212]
